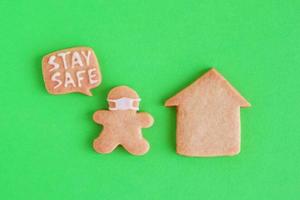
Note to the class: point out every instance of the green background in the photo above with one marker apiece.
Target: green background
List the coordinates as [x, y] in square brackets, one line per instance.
[157, 47]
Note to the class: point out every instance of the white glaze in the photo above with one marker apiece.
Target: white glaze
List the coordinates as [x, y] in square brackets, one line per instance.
[79, 77]
[92, 75]
[69, 80]
[87, 57]
[54, 78]
[63, 56]
[76, 59]
[52, 62]
[124, 104]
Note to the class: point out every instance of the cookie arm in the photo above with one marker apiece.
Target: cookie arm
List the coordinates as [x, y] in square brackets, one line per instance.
[145, 119]
[101, 116]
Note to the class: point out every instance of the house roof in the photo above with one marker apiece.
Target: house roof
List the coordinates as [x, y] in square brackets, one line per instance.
[212, 75]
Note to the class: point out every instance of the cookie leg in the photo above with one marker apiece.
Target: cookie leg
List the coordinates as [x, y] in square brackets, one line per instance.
[137, 147]
[105, 143]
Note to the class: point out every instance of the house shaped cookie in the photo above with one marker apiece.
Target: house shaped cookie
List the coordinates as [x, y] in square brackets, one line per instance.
[208, 117]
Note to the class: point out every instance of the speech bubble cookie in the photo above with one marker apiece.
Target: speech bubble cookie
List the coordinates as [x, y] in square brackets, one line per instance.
[71, 70]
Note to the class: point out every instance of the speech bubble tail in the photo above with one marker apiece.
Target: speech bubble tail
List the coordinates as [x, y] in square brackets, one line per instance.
[87, 92]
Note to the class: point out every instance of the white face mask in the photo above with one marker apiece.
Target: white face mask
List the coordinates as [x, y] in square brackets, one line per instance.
[124, 104]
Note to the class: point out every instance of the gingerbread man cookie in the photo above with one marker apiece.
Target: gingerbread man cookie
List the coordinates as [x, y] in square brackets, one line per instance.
[122, 123]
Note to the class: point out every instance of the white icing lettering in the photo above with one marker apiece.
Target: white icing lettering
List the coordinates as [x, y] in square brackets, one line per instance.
[92, 75]
[76, 59]
[63, 56]
[69, 80]
[87, 57]
[55, 78]
[79, 77]
[52, 62]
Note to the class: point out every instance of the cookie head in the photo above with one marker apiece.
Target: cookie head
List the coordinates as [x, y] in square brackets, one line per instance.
[123, 98]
